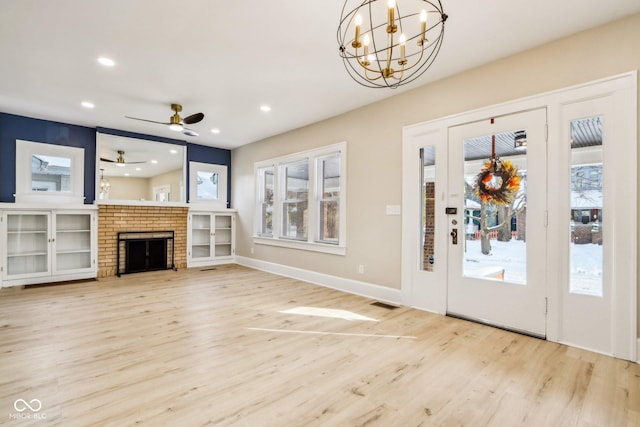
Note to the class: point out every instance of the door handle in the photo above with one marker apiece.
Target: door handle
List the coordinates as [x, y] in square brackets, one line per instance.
[454, 236]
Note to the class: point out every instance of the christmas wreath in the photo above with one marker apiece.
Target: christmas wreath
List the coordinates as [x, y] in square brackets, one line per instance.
[498, 182]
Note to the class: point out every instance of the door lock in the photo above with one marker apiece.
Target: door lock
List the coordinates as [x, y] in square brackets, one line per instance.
[454, 236]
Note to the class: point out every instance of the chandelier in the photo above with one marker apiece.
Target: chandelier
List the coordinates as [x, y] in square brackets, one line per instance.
[105, 185]
[383, 45]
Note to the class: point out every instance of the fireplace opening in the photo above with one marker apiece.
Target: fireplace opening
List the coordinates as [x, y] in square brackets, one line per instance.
[140, 251]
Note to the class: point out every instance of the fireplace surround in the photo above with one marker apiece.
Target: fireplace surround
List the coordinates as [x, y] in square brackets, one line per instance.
[115, 218]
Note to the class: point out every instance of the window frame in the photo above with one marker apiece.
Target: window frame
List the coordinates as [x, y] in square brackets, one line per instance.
[25, 150]
[261, 186]
[312, 242]
[221, 170]
[285, 200]
[320, 198]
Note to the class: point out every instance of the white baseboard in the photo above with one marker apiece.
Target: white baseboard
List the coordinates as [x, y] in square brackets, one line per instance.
[638, 351]
[369, 290]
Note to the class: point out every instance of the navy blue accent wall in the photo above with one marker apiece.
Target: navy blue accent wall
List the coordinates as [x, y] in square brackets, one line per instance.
[14, 127]
[212, 155]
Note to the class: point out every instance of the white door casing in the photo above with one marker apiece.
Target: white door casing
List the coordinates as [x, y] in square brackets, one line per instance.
[428, 290]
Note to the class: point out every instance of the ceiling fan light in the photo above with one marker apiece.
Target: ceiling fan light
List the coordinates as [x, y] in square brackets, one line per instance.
[176, 127]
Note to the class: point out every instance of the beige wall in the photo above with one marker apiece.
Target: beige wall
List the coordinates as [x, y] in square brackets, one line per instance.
[127, 188]
[173, 178]
[374, 137]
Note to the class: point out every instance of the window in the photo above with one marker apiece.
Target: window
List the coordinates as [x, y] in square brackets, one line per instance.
[208, 184]
[265, 201]
[49, 173]
[295, 200]
[300, 200]
[328, 196]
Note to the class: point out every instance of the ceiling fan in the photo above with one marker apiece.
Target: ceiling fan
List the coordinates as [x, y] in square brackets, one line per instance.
[120, 160]
[176, 123]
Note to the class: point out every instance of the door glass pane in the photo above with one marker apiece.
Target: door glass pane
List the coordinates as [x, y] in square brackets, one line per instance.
[495, 207]
[201, 236]
[27, 244]
[585, 245]
[428, 159]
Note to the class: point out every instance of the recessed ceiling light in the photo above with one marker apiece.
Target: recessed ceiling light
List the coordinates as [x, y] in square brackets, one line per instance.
[154, 161]
[173, 151]
[107, 62]
[265, 108]
[87, 104]
[215, 130]
[138, 169]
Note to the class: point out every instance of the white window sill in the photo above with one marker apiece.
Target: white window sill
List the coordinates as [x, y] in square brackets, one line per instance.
[305, 246]
[49, 197]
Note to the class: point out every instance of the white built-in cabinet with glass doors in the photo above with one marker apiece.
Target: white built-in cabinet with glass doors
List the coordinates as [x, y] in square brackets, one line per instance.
[211, 238]
[42, 246]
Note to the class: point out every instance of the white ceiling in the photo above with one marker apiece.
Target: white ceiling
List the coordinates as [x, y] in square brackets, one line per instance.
[226, 58]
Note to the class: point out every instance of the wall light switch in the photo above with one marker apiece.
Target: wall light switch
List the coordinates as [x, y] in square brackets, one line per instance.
[393, 209]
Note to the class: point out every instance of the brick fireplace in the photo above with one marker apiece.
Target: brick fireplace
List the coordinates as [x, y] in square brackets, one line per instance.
[115, 218]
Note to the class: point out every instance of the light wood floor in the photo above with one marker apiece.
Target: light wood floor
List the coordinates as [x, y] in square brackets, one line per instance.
[195, 347]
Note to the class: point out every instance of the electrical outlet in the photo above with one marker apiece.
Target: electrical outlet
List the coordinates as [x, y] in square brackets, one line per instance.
[252, 250]
[361, 268]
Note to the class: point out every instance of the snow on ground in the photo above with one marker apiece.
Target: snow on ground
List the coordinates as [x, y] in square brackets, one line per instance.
[586, 265]
[508, 255]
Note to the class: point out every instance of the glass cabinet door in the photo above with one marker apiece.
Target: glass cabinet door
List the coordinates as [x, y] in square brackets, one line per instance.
[27, 244]
[72, 242]
[223, 236]
[201, 234]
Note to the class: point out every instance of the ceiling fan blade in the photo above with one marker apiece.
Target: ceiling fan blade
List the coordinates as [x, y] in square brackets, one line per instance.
[150, 121]
[190, 132]
[194, 118]
[107, 160]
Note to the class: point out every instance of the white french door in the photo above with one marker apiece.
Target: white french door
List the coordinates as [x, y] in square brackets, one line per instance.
[496, 251]
[557, 259]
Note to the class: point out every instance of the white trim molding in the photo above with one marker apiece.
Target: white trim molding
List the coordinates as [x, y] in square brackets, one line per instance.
[356, 287]
[312, 241]
[27, 151]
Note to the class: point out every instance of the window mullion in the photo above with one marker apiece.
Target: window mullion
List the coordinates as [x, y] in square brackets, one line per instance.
[311, 203]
